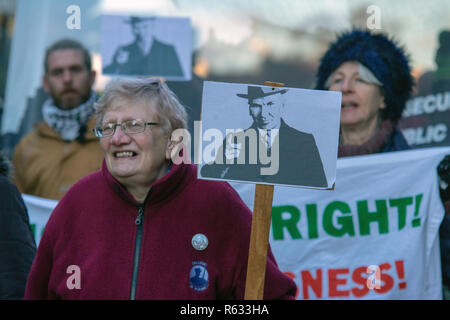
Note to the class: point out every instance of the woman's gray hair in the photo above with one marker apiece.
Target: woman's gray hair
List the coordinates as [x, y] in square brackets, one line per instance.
[172, 112]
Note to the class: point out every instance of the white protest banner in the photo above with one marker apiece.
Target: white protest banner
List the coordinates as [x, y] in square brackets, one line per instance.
[374, 237]
[39, 210]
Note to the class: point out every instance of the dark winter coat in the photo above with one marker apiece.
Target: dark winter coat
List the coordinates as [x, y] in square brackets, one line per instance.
[17, 246]
[397, 142]
[444, 233]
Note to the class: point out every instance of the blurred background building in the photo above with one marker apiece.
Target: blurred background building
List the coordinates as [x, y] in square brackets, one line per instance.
[249, 41]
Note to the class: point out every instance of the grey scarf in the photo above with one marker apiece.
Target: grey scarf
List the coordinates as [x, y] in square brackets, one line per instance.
[70, 124]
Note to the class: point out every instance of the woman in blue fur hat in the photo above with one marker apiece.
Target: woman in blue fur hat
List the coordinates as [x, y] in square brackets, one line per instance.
[374, 76]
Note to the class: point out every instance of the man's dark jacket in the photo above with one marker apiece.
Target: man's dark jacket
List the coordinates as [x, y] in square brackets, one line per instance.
[299, 162]
[17, 246]
[162, 60]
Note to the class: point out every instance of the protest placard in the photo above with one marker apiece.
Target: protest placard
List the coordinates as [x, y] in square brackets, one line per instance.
[146, 46]
[269, 135]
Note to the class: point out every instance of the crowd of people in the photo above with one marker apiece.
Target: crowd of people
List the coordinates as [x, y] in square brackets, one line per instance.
[114, 153]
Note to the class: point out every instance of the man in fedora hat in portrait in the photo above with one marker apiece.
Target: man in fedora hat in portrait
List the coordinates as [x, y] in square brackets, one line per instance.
[146, 55]
[296, 152]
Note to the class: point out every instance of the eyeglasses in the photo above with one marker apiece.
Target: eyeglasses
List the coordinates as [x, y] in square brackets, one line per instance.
[129, 126]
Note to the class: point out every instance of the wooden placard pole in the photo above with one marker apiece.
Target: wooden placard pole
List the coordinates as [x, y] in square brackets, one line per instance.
[259, 236]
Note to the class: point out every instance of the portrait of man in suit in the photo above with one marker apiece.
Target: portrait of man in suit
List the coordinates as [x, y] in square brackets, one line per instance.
[251, 155]
[145, 55]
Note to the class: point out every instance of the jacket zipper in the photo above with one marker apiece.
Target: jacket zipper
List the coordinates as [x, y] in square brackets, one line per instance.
[137, 251]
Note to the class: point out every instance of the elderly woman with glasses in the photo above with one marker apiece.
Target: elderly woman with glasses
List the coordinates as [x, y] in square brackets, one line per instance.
[144, 227]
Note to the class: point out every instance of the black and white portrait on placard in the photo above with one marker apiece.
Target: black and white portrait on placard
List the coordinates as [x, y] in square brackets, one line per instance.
[269, 135]
[146, 46]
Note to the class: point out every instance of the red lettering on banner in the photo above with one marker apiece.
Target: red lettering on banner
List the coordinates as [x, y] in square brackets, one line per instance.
[344, 282]
[334, 282]
[309, 281]
[401, 273]
[387, 279]
[357, 277]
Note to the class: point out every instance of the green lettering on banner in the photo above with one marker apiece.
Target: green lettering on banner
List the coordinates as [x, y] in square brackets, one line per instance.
[33, 229]
[279, 224]
[345, 220]
[311, 213]
[401, 204]
[365, 217]
[337, 218]
[416, 221]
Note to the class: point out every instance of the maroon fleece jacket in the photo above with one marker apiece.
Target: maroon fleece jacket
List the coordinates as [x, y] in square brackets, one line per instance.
[88, 247]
